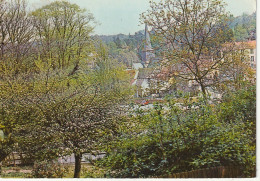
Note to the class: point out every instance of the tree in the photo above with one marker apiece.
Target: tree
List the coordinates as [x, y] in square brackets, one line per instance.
[16, 37]
[16, 40]
[61, 114]
[59, 106]
[244, 27]
[238, 73]
[63, 33]
[194, 34]
[118, 42]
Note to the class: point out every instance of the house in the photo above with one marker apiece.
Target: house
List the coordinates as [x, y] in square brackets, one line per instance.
[137, 66]
[250, 48]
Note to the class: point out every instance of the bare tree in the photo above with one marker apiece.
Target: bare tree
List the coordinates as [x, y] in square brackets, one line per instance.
[16, 36]
[193, 35]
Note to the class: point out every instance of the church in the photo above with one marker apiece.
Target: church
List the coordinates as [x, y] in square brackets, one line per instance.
[145, 72]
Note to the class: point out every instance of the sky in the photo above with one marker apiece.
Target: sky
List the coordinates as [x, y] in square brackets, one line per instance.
[122, 16]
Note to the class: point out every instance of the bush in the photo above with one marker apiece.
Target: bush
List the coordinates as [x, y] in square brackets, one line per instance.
[165, 142]
[240, 105]
[93, 172]
[48, 169]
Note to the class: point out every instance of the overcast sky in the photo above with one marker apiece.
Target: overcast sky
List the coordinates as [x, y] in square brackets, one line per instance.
[122, 16]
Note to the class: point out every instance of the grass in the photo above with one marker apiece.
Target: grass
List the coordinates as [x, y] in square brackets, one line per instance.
[16, 172]
[87, 171]
[15, 175]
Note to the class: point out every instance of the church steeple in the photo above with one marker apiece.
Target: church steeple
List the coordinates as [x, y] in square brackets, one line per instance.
[147, 53]
[147, 44]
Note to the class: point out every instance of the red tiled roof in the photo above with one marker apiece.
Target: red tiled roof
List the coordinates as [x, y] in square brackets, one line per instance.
[131, 73]
[248, 44]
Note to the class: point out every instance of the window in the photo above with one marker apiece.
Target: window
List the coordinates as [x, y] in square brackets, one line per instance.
[251, 51]
[252, 58]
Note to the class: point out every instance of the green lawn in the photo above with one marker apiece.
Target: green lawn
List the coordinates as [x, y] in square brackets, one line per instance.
[87, 171]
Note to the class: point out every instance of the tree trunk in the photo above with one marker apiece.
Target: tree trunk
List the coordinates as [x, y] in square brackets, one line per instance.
[77, 165]
[204, 93]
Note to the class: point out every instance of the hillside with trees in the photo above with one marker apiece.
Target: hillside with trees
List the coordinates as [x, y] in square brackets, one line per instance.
[244, 27]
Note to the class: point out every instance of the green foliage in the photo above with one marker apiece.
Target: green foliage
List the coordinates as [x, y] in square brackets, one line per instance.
[82, 102]
[2, 135]
[240, 105]
[93, 172]
[6, 126]
[15, 175]
[64, 33]
[64, 105]
[125, 55]
[6, 147]
[54, 113]
[244, 27]
[170, 139]
[46, 169]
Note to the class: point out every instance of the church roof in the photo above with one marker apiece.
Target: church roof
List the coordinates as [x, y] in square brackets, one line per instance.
[137, 66]
[139, 82]
[145, 73]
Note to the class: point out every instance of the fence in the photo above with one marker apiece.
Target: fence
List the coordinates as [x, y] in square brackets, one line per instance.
[214, 172]
[14, 159]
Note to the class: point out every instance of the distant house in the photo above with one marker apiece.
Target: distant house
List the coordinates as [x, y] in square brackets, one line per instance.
[250, 47]
[150, 79]
[252, 54]
[137, 66]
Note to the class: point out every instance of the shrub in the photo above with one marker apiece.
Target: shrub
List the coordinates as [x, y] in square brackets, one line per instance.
[93, 172]
[166, 141]
[48, 169]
